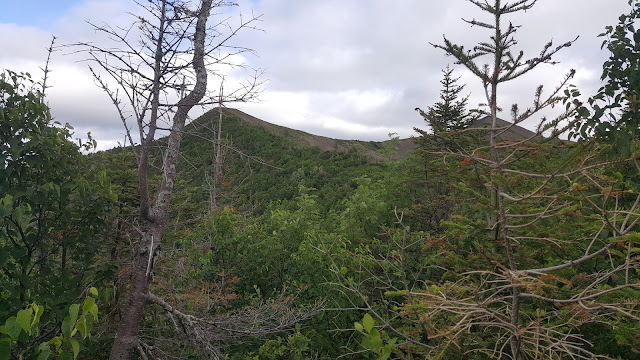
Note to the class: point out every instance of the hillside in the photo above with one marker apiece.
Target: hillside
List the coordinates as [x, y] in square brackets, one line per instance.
[234, 238]
[282, 221]
[260, 163]
[508, 131]
[370, 148]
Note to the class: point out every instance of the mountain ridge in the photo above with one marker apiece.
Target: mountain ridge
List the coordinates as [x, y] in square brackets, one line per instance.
[375, 150]
[369, 148]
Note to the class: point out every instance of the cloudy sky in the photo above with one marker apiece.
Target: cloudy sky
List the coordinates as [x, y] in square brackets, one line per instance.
[350, 69]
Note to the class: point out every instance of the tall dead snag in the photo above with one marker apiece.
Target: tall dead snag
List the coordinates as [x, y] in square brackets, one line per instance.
[153, 79]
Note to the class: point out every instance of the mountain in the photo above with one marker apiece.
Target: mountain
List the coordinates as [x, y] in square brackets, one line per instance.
[372, 149]
[375, 150]
[264, 162]
[260, 163]
[508, 131]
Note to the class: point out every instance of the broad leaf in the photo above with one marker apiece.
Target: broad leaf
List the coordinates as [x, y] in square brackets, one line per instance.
[73, 313]
[367, 322]
[38, 314]
[44, 354]
[67, 326]
[75, 345]
[12, 328]
[81, 326]
[89, 303]
[24, 319]
[358, 326]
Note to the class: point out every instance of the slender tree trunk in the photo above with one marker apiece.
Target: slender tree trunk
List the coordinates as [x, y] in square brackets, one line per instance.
[127, 340]
[499, 221]
[217, 162]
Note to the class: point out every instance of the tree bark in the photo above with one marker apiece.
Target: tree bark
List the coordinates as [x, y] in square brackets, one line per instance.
[126, 341]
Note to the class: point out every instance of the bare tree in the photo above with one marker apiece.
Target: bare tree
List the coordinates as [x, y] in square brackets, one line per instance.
[155, 74]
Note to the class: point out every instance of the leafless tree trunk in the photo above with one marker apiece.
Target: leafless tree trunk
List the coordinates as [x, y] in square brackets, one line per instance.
[214, 181]
[126, 340]
[160, 78]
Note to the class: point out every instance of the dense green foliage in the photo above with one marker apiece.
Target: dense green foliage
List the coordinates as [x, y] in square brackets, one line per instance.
[287, 207]
[407, 257]
[615, 109]
[21, 331]
[53, 211]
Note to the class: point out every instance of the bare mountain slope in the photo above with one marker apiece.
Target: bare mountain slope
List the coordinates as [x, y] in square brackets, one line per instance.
[508, 130]
[373, 149]
[370, 148]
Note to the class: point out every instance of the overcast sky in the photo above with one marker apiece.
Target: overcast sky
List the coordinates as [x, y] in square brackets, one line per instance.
[349, 69]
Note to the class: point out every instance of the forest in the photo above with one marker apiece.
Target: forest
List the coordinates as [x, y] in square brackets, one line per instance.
[226, 237]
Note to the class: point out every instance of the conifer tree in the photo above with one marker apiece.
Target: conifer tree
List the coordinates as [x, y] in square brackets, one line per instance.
[450, 113]
[538, 264]
[527, 218]
[446, 118]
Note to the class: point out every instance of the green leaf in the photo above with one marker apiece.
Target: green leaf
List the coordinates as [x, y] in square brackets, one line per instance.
[73, 313]
[94, 311]
[93, 291]
[376, 343]
[44, 354]
[366, 343]
[367, 322]
[56, 342]
[89, 303]
[12, 328]
[358, 326]
[67, 326]
[386, 353]
[24, 319]
[75, 345]
[81, 325]
[38, 314]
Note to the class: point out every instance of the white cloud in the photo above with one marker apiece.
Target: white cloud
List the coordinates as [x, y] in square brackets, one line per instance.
[351, 69]
[290, 108]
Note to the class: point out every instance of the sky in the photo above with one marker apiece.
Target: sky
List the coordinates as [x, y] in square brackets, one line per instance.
[348, 69]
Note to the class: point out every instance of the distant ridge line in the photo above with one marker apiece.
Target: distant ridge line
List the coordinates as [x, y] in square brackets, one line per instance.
[368, 148]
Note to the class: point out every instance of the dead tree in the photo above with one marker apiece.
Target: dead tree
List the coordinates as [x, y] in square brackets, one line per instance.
[157, 71]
